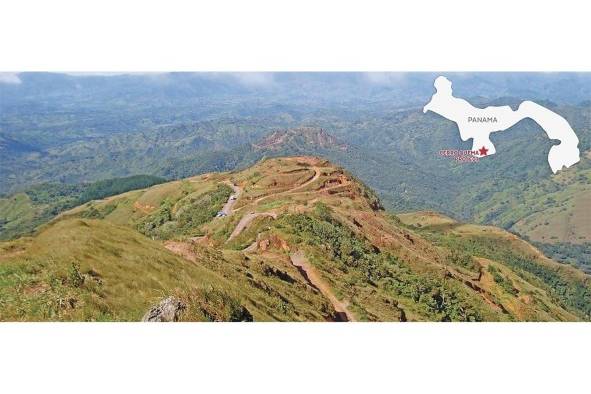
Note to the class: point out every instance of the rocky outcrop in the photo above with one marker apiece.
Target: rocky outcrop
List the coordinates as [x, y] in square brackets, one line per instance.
[168, 310]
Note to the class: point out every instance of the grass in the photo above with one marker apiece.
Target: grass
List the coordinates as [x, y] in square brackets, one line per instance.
[249, 235]
[561, 286]
[99, 272]
[271, 204]
[23, 213]
[104, 272]
[355, 267]
[186, 216]
[17, 216]
[93, 264]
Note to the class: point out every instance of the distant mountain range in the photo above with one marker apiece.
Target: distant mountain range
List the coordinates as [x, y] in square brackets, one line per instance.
[9, 146]
[525, 199]
[300, 138]
[72, 129]
[51, 90]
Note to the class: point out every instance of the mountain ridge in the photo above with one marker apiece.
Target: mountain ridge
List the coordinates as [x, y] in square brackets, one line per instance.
[311, 136]
[303, 239]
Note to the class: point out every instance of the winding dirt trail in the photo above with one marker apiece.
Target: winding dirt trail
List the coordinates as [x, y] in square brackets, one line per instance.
[299, 260]
[246, 220]
[227, 208]
[303, 185]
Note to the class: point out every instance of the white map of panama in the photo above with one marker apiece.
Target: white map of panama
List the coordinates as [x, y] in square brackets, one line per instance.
[479, 123]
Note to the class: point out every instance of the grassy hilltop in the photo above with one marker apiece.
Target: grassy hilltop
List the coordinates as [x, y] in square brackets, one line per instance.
[303, 240]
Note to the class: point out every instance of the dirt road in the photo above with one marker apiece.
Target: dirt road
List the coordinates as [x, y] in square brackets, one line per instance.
[227, 209]
[299, 260]
[303, 185]
[246, 220]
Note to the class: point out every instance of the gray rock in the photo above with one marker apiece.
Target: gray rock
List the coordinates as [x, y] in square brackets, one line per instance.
[168, 310]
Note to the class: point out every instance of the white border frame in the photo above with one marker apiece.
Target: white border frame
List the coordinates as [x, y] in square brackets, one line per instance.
[266, 35]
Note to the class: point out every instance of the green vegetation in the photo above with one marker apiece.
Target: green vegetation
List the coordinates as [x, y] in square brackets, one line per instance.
[17, 216]
[58, 133]
[434, 298]
[320, 250]
[98, 272]
[569, 253]
[505, 283]
[22, 213]
[56, 193]
[213, 305]
[462, 259]
[191, 212]
[98, 213]
[565, 288]
[395, 153]
[111, 187]
[104, 272]
[195, 124]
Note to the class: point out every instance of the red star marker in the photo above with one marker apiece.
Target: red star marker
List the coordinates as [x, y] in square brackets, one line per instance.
[483, 151]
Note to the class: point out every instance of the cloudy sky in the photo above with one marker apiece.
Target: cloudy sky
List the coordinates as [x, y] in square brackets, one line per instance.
[6, 77]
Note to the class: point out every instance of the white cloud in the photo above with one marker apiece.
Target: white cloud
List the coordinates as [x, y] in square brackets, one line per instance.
[385, 78]
[246, 79]
[107, 73]
[254, 79]
[9, 78]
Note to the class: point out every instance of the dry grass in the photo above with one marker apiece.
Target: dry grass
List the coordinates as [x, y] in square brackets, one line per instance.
[82, 269]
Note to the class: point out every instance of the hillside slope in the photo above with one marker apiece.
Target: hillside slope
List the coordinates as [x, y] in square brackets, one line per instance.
[23, 212]
[289, 239]
[394, 151]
